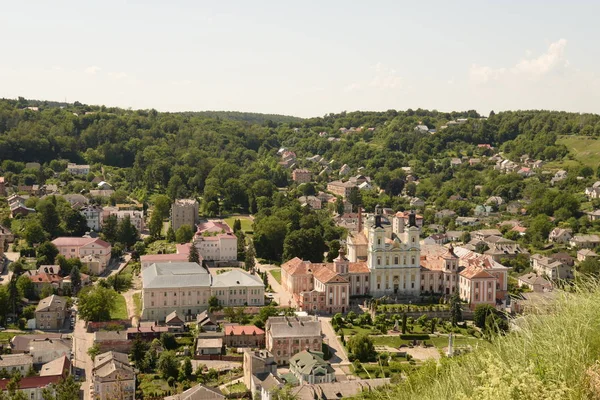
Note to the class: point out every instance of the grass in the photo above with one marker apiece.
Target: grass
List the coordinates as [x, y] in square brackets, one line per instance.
[120, 310]
[585, 149]
[153, 384]
[244, 220]
[137, 300]
[552, 355]
[161, 246]
[7, 336]
[355, 330]
[238, 387]
[276, 273]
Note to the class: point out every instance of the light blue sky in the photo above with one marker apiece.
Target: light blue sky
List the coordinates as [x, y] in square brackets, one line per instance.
[304, 58]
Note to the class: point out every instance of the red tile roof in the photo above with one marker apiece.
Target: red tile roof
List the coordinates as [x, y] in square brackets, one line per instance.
[295, 266]
[47, 278]
[358, 268]
[325, 275]
[32, 382]
[238, 330]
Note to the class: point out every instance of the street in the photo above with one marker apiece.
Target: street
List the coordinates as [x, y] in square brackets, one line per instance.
[339, 357]
[281, 296]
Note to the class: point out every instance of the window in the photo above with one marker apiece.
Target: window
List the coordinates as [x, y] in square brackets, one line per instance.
[152, 303]
[152, 294]
[378, 286]
[165, 294]
[165, 303]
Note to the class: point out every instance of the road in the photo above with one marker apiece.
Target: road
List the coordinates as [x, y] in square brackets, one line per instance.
[82, 341]
[339, 357]
[281, 296]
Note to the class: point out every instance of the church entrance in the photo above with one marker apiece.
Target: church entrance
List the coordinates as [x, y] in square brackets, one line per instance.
[396, 287]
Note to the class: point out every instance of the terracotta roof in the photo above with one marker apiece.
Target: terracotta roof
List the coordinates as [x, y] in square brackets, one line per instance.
[79, 241]
[325, 275]
[295, 266]
[359, 239]
[475, 272]
[32, 382]
[238, 330]
[47, 278]
[358, 268]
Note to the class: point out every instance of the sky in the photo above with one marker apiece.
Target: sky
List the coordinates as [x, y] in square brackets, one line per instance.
[304, 58]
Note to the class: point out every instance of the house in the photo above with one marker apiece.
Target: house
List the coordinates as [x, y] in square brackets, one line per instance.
[483, 234]
[21, 362]
[2, 186]
[32, 387]
[365, 186]
[454, 236]
[437, 238]
[584, 254]
[93, 216]
[416, 202]
[481, 211]
[77, 169]
[78, 247]
[301, 176]
[212, 227]
[564, 258]
[340, 188]
[209, 344]
[525, 172]
[558, 176]
[112, 377]
[166, 287]
[421, 128]
[550, 268]
[244, 336]
[310, 201]
[206, 322]
[174, 321]
[309, 367]
[537, 164]
[42, 279]
[455, 162]
[219, 248]
[344, 170]
[46, 350]
[19, 209]
[58, 367]
[21, 343]
[560, 235]
[584, 241]
[135, 217]
[534, 282]
[287, 336]
[184, 212]
[445, 214]
[198, 392]
[495, 200]
[50, 313]
[593, 215]
[101, 193]
[238, 288]
[260, 369]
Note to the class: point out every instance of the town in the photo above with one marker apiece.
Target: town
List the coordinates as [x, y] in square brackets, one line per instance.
[316, 279]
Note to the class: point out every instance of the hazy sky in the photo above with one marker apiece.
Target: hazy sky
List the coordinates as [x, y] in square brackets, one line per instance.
[304, 58]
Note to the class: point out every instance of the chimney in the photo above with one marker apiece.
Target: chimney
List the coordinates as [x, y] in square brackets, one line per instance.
[360, 221]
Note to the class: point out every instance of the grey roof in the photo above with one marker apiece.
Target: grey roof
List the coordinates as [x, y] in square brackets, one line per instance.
[291, 327]
[11, 360]
[237, 278]
[198, 392]
[175, 275]
[210, 343]
[51, 301]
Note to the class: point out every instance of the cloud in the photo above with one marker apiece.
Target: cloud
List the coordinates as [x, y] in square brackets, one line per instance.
[384, 78]
[553, 60]
[92, 70]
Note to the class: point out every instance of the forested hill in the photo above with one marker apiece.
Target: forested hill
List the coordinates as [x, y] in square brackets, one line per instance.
[145, 151]
[253, 118]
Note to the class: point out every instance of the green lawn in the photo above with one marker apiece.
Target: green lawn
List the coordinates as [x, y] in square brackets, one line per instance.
[237, 388]
[276, 273]
[120, 311]
[245, 221]
[355, 330]
[137, 300]
[585, 149]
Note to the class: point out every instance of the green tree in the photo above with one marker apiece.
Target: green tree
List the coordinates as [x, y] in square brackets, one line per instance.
[168, 341]
[184, 234]
[213, 304]
[194, 256]
[284, 393]
[46, 291]
[110, 229]
[93, 351]
[171, 235]
[250, 259]
[162, 206]
[13, 294]
[155, 225]
[241, 245]
[404, 323]
[167, 365]
[306, 244]
[96, 303]
[127, 232]
[48, 250]
[481, 313]
[75, 222]
[362, 347]
[48, 215]
[355, 197]
[455, 309]
[34, 232]
[75, 279]
[175, 187]
[66, 389]
[237, 225]
[25, 287]
[269, 236]
[186, 368]
[138, 351]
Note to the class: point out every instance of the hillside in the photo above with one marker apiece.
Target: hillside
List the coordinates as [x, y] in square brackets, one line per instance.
[252, 118]
[549, 357]
[585, 149]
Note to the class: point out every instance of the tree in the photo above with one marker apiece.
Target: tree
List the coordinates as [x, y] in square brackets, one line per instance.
[168, 341]
[213, 304]
[590, 266]
[269, 236]
[174, 189]
[241, 245]
[155, 225]
[162, 206]
[96, 303]
[306, 244]
[16, 267]
[46, 291]
[466, 237]
[127, 232]
[184, 234]
[75, 222]
[110, 229]
[13, 294]
[25, 287]
[75, 279]
[481, 313]
[362, 347]
[93, 351]
[49, 218]
[455, 309]
[167, 365]
[34, 232]
[66, 389]
[194, 256]
[138, 351]
[284, 393]
[170, 234]
[48, 250]
[404, 323]
[355, 197]
[237, 226]
[186, 368]
[250, 261]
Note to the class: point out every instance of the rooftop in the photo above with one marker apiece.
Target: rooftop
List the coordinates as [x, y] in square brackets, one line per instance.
[175, 275]
[237, 277]
[51, 302]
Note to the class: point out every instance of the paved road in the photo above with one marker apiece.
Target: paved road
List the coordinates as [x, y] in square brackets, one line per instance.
[82, 341]
[339, 357]
[281, 296]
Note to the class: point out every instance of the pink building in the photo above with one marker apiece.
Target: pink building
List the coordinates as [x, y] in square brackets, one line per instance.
[301, 176]
[287, 336]
[244, 336]
[79, 247]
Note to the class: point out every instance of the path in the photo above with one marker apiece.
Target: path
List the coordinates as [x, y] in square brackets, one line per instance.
[128, 295]
[281, 296]
[82, 341]
[339, 357]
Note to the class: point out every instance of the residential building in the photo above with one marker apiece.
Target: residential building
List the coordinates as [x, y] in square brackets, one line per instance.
[585, 241]
[50, 313]
[46, 350]
[135, 217]
[287, 336]
[78, 169]
[103, 185]
[33, 386]
[184, 212]
[301, 176]
[212, 227]
[183, 287]
[258, 363]
[93, 216]
[244, 336]
[209, 343]
[238, 288]
[101, 193]
[564, 258]
[436, 238]
[534, 283]
[345, 170]
[593, 215]
[309, 367]
[340, 188]
[60, 366]
[550, 268]
[584, 254]
[219, 248]
[78, 247]
[2, 186]
[560, 235]
[174, 321]
[416, 202]
[467, 221]
[42, 279]
[113, 377]
[21, 343]
[21, 362]
[311, 201]
[198, 392]
[445, 213]
[207, 322]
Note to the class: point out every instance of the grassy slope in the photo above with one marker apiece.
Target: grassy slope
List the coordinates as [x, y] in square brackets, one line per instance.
[120, 311]
[276, 274]
[245, 221]
[585, 149]
[550, 357]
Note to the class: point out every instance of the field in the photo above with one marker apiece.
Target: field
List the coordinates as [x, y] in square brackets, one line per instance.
[246, 222]
[120, 311]
[585, 149]
[276, 273]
